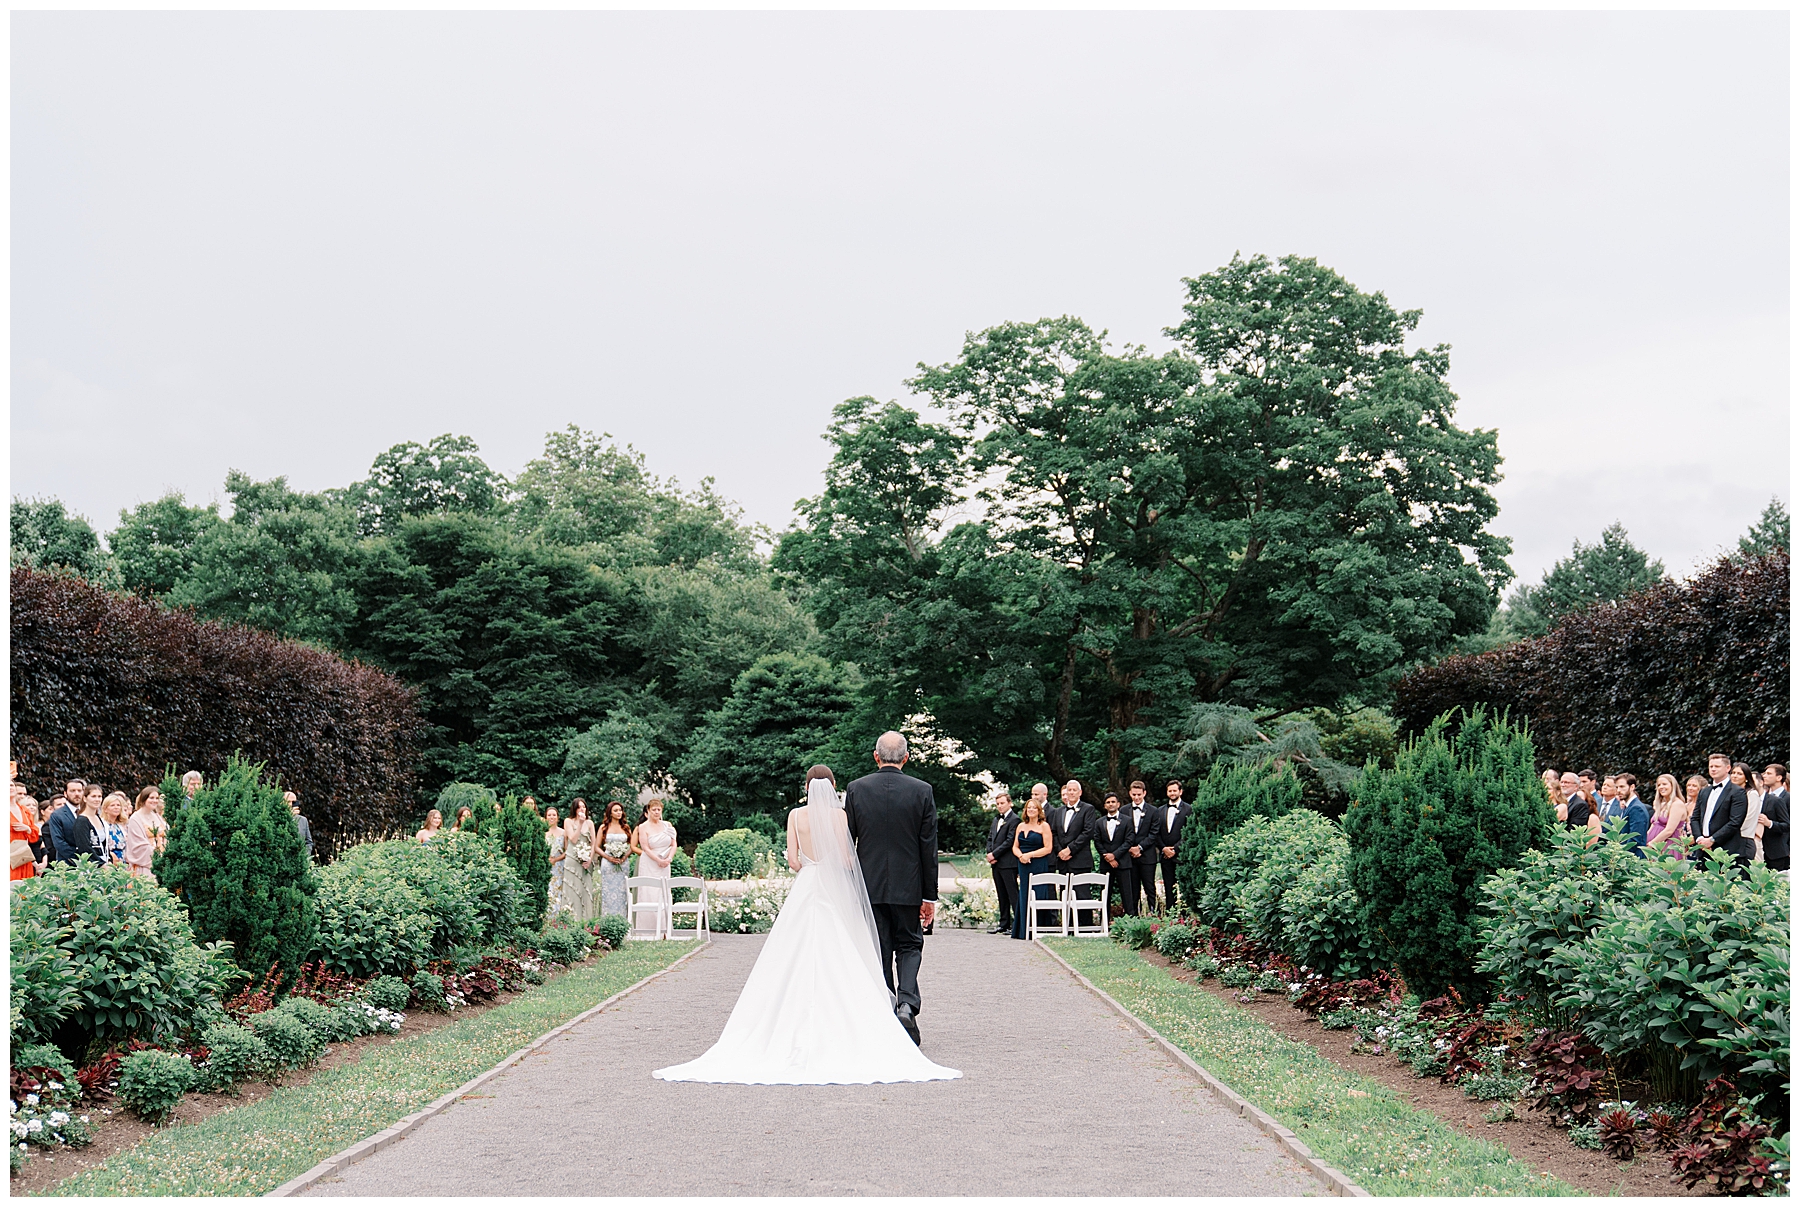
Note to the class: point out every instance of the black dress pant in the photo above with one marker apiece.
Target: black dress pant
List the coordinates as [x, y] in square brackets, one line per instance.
[1168, 877]
[902, 938]
[1119, 884]
[1006, 886]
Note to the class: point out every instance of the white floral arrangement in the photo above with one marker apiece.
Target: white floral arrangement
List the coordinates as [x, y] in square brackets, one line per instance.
[618, 848]
[584, 850]
[968, 905]
[752, 912]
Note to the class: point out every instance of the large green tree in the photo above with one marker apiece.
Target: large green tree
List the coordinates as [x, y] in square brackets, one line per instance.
[156, 543]
[1611, 568]
[46, 535]
[413, 479]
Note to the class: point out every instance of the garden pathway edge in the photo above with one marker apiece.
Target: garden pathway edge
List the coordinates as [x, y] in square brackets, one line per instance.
[381, 1139]
[1334, 1179]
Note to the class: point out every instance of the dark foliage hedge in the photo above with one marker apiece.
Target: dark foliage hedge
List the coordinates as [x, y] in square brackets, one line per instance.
[1652, 683]
[116, 688]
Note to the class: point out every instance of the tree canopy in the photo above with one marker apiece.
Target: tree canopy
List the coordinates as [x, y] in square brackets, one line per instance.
[1607, 570]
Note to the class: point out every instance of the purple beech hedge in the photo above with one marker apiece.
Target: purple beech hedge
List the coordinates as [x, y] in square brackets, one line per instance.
[114, 687]
[1652, 683]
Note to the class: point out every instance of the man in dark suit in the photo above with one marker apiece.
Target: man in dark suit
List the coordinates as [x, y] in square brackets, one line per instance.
[1073, 831]
[1775, 817]
[1145, 849]
[1718, 821]
[1112, 836]
[1003, 861]
[893, 821]
[1174, 817]
[71, 835]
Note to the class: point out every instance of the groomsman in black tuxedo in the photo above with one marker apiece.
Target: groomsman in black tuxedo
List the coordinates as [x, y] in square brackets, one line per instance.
[1074, 828]
[1775, 814]
[1003, 861]
[1174, 817]
[1718, 820]
[1145, 848]
[1113, 839]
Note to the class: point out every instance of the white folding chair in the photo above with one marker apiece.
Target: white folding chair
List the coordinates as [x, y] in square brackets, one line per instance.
[1096, 906]
[657, 907]
[1057, 904]
[696, 907]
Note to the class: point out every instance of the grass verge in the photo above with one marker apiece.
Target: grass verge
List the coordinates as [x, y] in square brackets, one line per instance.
[257, 1147]
[1355, 1123]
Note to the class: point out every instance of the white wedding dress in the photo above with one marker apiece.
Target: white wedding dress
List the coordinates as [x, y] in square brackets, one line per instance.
[815, 1010]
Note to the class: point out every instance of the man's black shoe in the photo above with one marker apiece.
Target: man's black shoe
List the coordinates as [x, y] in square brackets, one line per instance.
[996, 928]
[904, 1013]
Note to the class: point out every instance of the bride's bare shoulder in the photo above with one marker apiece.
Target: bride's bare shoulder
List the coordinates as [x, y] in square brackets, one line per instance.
[797, 816]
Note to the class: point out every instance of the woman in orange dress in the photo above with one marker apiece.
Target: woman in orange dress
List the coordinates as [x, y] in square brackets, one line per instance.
[25, 829]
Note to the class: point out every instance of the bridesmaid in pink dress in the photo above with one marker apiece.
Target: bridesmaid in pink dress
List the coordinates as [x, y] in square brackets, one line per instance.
[1669, 815]
[654, 844]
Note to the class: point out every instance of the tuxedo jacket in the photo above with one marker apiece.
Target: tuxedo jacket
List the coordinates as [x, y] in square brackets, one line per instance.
[1117, 844]
[1775, 838]
[1171, 836]
[1000, 839]
[893, 821]
[1078, 838]
[1148, 838]
[1727, 820]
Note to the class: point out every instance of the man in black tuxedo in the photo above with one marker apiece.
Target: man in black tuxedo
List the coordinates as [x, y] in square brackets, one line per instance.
[1775, 816]
[1174, 817]
[1073, 831]
[1718, 821]
[1003, 861]
[893, 821]
[1112, 836]
[1145, 849]
[70, 835]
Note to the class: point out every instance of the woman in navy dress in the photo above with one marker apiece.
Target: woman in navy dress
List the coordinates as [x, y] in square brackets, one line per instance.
[1031, 843]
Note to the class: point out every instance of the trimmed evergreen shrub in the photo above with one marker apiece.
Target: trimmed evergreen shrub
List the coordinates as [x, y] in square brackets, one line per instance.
[152, 1082]
[291, 1043]
[137, 972]
[1668, 675]
[520, 834]
[388, 992]
[235, 1054]
[236, 859]
[115, 687]
[1459, 805]
[724, 856]
[1230, 794]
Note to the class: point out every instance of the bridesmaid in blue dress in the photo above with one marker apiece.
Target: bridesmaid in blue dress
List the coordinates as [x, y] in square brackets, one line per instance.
[1031, 843]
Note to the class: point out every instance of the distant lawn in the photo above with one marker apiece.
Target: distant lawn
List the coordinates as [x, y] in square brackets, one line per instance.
[1382, 1144]
[970, 866]
[255, 1148]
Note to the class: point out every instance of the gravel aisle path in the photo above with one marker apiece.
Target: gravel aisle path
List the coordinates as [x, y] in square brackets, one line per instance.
[1059, 1096]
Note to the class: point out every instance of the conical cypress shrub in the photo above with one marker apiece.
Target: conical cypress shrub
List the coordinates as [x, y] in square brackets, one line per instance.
[1228, 797]
[1457, 807]
[236, 861]
[520, 833]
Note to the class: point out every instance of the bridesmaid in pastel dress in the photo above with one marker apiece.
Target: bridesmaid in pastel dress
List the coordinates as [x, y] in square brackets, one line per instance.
[654, 844]
[1668, 818]
[578, 875]
[554, 837]
[613, 873]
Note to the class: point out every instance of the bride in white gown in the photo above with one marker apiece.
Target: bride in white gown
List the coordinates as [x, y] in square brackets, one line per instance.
[815, 1010]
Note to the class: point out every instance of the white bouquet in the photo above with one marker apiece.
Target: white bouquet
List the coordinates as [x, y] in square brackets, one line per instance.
[584, 850]
[618, 848]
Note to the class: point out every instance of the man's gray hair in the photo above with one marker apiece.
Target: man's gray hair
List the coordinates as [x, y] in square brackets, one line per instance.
[890, 747]
[191, 775]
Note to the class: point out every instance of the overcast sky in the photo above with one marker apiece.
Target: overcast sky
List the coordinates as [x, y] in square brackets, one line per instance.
[284, 242]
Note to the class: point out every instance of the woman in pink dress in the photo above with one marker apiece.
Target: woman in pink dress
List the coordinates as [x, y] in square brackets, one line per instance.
[1669, 815]
[654, 844]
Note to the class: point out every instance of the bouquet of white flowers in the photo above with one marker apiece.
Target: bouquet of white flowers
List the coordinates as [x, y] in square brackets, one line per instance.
[618, 848]
[584, 850]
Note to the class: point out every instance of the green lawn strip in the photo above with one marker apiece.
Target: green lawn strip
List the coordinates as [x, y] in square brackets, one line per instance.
[1379, 1142]
[257, 1147]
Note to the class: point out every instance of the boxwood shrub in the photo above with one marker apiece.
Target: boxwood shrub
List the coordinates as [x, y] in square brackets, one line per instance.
[152, 1082]
[235, 1054]
[727, 855]
[291, 1043]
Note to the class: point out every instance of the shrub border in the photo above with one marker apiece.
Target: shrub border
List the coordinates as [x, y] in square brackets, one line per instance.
[381, 1139]
[1334, 1180]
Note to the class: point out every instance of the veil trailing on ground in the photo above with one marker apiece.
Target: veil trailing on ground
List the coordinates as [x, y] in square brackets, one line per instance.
[838, 870]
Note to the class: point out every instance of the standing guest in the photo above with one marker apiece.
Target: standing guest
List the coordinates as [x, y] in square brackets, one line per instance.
[1668, 818]
[1113, 840]
[1775, 817]
[190, 787]
[1145, 849]
[1719, 815]
[1550, 777]
[462, 815]
[112, 826]
[87, 832]
[1000, 857]
[96, 797]
[1075, 829]
[143, 831]
[434, 821]
[1742, 776]
[26, 831]
[1032, 841]
[1175, 814]
[1634, 812]
[653, 842]
[554, 837]
[1578, 813]
[300, 822]
[530, 802]
[614, 829]
[70, 836]
[1558, 798]
[578, 874]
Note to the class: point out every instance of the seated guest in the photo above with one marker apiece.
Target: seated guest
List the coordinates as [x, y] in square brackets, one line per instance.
[1145, 849]
[1775, 816]
[1113, 841]
[463, 816]
[191, 783]
[1031, 847]
[70, 836]
[1000, 859]
[1668, 818]
[1718, 821]
[1558, 798]
[1632, 811]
